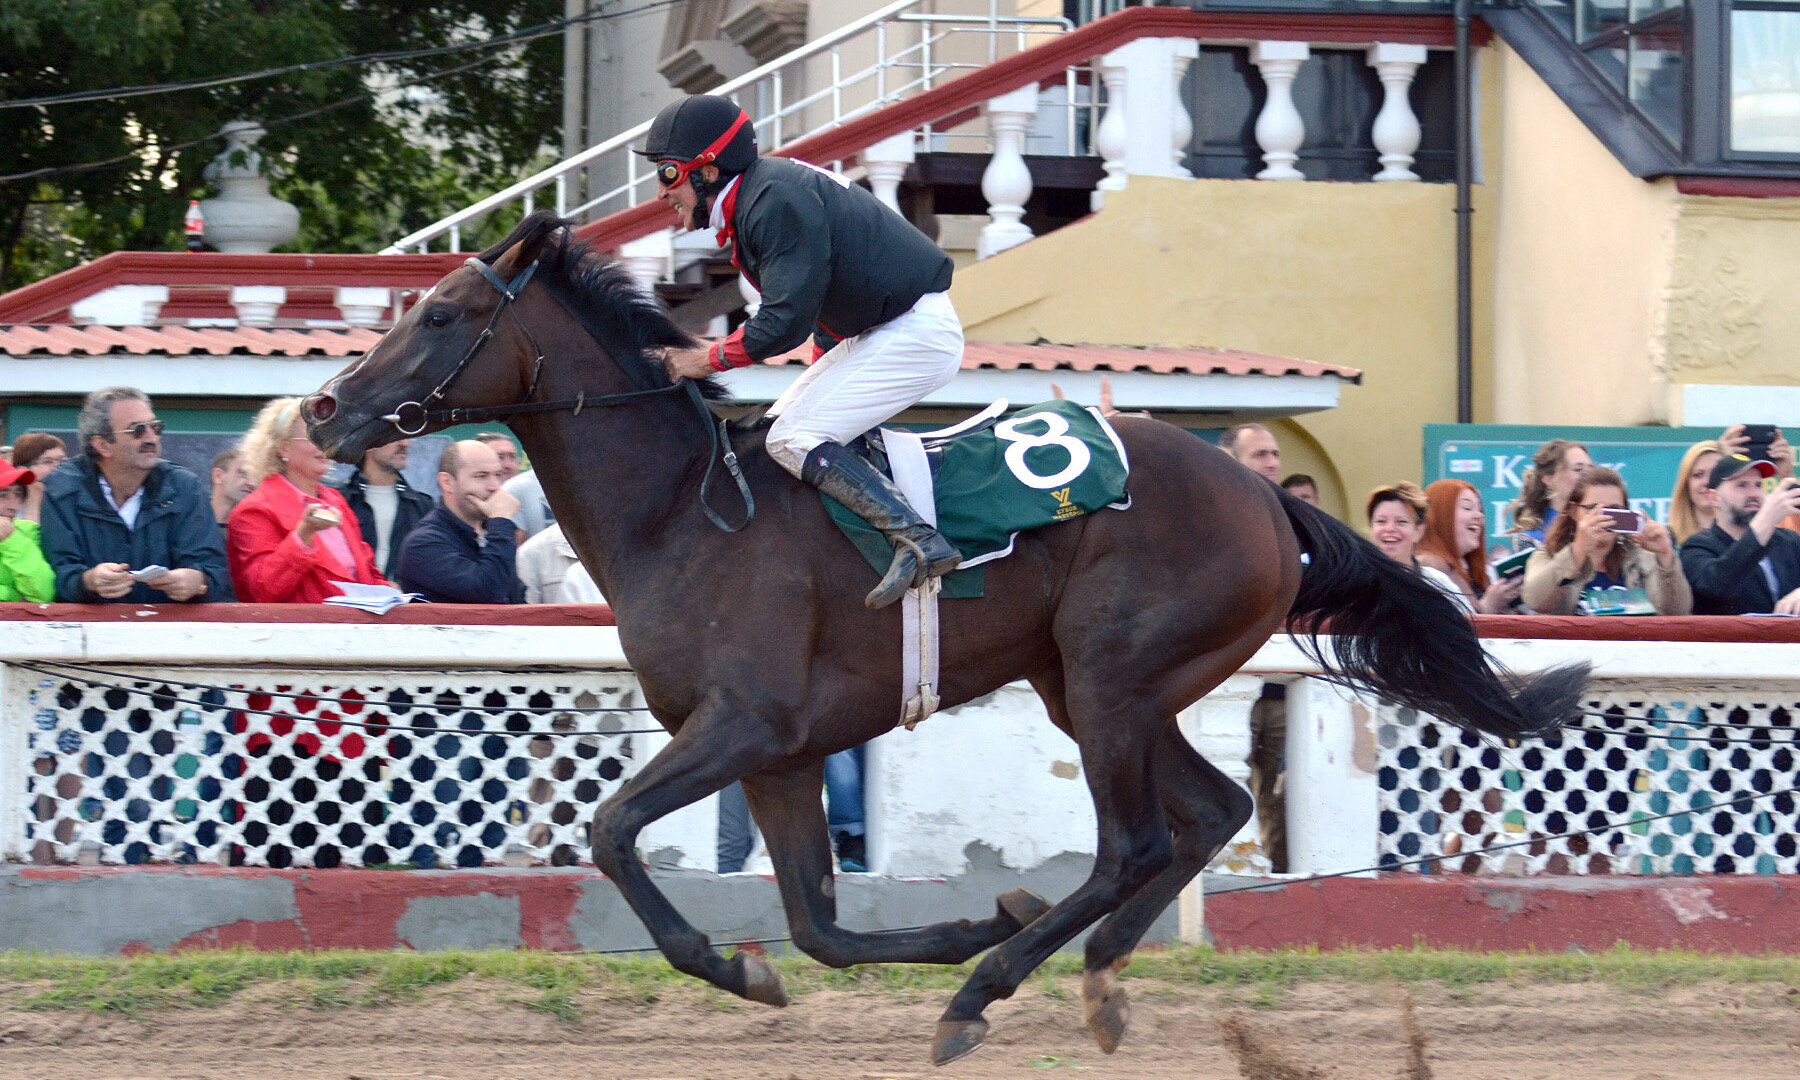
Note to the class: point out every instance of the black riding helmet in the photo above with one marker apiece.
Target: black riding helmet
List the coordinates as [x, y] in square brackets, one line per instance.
[692, 128]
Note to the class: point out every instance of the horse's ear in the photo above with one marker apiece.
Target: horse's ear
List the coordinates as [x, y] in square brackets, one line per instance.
[549, 235]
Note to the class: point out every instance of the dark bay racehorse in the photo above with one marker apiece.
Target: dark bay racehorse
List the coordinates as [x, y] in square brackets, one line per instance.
[755, 650]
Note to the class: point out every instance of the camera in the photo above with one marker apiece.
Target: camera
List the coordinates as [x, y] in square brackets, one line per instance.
[1760, 436]
[1624, 521]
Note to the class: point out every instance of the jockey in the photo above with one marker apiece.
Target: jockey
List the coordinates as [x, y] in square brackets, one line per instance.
[834, 263]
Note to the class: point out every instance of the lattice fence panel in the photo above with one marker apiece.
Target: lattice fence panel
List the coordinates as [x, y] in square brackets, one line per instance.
[419, 768]
[1444, 791]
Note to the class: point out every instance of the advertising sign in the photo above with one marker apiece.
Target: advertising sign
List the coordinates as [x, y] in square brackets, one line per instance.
[1494, 457]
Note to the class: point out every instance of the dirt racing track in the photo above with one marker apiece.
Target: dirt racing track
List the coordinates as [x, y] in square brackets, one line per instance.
[1325, 1029]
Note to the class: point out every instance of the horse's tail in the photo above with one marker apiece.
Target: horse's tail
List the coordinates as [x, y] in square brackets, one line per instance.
[1392, 632]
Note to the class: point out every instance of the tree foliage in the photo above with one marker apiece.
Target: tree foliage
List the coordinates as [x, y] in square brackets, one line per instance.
[363, 168]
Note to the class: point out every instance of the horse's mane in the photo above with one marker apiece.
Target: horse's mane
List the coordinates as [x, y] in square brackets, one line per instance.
[627, 321]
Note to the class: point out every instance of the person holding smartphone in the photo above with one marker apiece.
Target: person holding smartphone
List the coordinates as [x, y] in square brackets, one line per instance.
[1763, 442]
[1746, 562]
[1600, 543]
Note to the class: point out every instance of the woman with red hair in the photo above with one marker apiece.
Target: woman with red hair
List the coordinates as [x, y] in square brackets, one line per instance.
[1455, 542]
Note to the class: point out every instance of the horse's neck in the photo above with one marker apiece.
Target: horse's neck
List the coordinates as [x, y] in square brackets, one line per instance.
[621, 481]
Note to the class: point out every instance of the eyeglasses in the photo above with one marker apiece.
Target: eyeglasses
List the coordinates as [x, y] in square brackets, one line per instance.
[140, 429]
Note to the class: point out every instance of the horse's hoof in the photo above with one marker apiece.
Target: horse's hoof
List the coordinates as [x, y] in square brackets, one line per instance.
[957, 1039]
[1022, 906]
[1107, 1005]
[761, 981]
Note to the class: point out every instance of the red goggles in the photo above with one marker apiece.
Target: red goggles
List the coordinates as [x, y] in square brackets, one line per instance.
[671, 173]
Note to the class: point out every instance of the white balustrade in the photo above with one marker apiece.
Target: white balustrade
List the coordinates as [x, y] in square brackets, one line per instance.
[1279, 129]
[1006, 182]
[886, 163]
[1145, 118]
[1110, 136]
[648, 258]
[257, 305]
[1181, 124]
[1396, 133]
[364, 305]
[120, 305]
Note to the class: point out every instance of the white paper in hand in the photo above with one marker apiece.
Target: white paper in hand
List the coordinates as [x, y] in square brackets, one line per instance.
[379, 599]
[149, 573]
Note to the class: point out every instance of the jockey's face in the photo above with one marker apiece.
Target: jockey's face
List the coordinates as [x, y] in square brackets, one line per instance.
[682, 198]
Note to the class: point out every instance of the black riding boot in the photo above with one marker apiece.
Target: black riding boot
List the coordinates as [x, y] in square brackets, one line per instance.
[840, 473]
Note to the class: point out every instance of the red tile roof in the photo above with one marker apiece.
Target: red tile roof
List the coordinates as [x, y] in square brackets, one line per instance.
[318, 341]
[1158, 360]
[185, 341]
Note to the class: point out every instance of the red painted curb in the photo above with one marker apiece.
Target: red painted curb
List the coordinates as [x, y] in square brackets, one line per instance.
[1707, 914]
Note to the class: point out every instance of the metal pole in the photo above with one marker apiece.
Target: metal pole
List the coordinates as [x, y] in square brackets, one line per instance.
[1465, 315]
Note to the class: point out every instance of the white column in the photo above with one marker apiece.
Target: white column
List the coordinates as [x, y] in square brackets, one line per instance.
[1144, 114]
[1396, 133]
[1279, 130]
[647, 258]
[257, 304]
[1333, 819]
[363, 305]
[1006, 182]
[1181, 130]
[886, 164]
[15, 755]
[1109, 137]
[120, 305]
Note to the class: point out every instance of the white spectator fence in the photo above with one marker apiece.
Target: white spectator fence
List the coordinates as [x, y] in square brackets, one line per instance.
[135, 736]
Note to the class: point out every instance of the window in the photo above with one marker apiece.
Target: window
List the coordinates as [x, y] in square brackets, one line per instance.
[1765, 78]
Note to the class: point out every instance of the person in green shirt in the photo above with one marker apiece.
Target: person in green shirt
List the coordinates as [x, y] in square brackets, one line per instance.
[24, 575]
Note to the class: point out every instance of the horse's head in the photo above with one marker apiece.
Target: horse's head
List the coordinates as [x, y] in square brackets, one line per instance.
[458, 347]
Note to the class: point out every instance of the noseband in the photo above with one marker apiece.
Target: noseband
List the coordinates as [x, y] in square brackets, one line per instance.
[413, 417]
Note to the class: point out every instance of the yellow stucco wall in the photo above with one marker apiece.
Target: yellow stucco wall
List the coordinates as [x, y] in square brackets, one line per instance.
[1356, 274]
[1582, 258]
[1731, 316]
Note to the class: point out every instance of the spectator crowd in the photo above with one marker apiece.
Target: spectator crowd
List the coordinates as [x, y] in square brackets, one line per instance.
[108, 520]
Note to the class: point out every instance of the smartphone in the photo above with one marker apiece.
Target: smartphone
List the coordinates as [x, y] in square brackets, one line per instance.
[1624, 521]
[1759, 436]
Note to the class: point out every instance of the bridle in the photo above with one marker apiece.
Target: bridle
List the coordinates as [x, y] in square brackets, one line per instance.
[411, 418]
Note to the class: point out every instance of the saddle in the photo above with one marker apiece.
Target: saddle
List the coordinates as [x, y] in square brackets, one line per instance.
[983, 481]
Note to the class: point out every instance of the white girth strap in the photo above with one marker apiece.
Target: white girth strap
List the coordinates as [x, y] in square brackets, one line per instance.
[919, 610]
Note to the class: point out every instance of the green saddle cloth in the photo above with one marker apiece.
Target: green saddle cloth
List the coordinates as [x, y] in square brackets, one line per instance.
[1042, 464]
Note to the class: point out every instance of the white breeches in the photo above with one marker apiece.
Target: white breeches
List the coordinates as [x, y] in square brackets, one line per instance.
[867, 379]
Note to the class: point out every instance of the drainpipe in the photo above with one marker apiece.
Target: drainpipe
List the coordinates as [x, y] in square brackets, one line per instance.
[1465, 328]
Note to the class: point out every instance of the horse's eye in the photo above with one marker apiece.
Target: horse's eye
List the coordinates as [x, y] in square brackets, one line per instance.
[437, 317]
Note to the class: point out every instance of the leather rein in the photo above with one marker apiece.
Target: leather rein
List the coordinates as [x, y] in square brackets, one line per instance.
[413, 417]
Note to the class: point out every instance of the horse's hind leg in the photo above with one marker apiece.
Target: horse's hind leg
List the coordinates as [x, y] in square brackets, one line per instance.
[1205, 810]
[786, 804]
[1116, 739]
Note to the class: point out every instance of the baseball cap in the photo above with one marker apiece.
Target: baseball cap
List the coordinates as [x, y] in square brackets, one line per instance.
[1734, 465]
[10, 476]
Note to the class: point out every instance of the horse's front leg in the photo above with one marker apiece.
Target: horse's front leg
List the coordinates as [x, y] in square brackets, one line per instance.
[716, 746]
[785, 801]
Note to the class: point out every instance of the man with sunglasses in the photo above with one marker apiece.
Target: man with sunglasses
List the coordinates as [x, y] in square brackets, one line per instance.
[835, 264]
[123, 510]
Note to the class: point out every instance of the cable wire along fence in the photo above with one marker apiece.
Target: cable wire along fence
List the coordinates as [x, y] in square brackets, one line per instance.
[346, 748]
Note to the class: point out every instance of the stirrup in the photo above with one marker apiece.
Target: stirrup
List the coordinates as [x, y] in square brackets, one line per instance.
[908, 559]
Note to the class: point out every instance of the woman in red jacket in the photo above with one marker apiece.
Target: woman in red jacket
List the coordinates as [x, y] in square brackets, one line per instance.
[294, 535]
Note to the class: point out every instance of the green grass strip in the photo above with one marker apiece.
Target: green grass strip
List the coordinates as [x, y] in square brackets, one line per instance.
[553, 981]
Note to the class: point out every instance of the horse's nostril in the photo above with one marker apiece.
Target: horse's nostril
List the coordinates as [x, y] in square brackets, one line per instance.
[322, 406]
